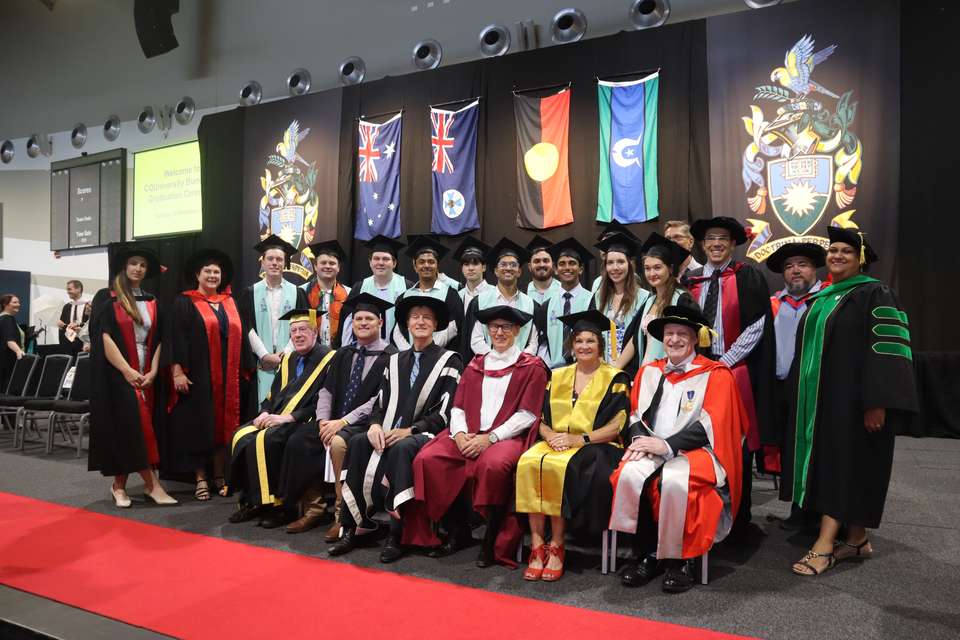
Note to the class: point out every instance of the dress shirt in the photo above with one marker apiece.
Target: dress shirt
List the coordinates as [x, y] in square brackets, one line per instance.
[493, 392]
[749, 336]
[325, 398]
[785, 327]
[477, 342]
[274, 300]
[467, 296]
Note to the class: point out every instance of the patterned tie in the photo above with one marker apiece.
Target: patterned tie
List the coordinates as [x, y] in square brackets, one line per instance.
[713, 292]
[300, 365]
[356, 377]
[415, 369]
[567, 296]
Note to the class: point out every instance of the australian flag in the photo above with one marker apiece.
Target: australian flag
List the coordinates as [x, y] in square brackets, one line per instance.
[378, 179]
[454, 142]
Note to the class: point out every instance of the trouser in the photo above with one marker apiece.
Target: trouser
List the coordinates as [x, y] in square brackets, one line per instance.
[337, 452]
[744, 514]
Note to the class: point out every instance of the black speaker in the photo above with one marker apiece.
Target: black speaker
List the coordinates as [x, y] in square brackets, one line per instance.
[153, 21]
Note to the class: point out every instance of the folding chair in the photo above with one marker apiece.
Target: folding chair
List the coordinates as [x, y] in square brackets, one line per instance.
[49, 388]
[75, 409]
[18, 388]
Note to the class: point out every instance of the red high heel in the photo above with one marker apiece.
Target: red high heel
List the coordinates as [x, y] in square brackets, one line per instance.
[543, 554]
[552, 575]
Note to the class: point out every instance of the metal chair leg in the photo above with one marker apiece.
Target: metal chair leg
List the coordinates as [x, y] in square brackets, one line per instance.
[50, 431]
[80, 427]
[604, 553]
[704, 564]
[613, 551]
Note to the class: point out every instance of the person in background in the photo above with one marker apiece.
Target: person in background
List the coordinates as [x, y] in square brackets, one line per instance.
[571, 258]
[472, 255]
[620, 296]
[72, 319]
[385, 283]
[12, 336]
[542, 284]
[325, 293]
[679, 231]
[426, 254]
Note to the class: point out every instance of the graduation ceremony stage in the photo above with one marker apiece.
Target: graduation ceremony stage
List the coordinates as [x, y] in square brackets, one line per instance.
[185, 572]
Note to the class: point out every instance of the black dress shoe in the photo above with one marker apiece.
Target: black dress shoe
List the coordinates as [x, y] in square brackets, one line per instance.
[642, 572]
[345, 544]
[245, 513]
[392, 550]
[454, 542]
[679, 577]
[275, 519]
[485, 558]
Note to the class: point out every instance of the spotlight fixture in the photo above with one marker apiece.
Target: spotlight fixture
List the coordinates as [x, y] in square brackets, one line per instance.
[7, 151]
[78, 137]
[298, 82]
[146, 119]
[569, 25]
[494, 41]
[111, 128]
[251, 94]
[185, 110]
[761, 4]
[427, 54]
[649, 14]
[39, 143]
[352, 71]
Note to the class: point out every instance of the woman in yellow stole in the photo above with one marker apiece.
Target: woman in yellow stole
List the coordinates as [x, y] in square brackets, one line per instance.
[566, 475]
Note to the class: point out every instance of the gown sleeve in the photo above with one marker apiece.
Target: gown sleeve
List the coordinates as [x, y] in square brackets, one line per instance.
[436, 418]
[888, 375]
[615, 403]
[8, 330]
[177, 349]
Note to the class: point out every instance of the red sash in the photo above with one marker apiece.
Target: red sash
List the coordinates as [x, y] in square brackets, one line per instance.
[226, 393]
[144, 396]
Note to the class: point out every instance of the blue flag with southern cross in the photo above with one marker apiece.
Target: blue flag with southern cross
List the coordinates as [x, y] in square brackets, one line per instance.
[378, 179]
[454, 142]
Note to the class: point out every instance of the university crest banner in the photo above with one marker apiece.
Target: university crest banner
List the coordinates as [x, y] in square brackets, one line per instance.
[804, 123]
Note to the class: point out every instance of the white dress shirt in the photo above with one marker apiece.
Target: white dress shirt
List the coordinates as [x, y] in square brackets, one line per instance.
[493, 392]
[477, 342]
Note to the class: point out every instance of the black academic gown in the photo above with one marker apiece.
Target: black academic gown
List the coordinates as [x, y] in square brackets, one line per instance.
[849, 469]
[256, 457]
[9, 332]
[455, 305]
[635, 332]
[305, 457]
[422, 406]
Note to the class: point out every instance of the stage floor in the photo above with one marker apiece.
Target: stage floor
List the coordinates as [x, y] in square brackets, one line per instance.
[908, 590]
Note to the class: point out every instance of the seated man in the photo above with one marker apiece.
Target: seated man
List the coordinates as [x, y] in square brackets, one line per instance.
[470, 467]
[350, 386]
[413, 405]
[678, 484]
[257, 448]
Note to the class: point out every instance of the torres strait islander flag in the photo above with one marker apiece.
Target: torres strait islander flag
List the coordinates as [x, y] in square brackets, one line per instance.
[378, 179]
[627, 190]
[543, 178]
[453, 138]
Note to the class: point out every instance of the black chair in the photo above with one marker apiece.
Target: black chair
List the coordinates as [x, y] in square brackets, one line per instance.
[16, 393]
[75, 409]
[49, 388]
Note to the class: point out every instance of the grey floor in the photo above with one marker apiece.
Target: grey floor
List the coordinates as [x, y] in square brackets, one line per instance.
[910, 589]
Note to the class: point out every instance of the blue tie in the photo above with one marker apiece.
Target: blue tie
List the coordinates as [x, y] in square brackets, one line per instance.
[356, 377]
[300, 364]
[415, 369]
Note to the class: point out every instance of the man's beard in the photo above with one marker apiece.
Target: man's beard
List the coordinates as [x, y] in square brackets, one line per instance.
[797, 290]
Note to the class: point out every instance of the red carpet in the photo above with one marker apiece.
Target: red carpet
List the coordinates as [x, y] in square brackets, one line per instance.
[195, 586]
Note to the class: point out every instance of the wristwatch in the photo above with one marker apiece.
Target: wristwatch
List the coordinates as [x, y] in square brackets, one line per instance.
[586, 439]
[493, 438]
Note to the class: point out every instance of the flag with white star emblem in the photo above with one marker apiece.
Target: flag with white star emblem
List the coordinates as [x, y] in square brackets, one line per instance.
[378, 179]
[454, 141]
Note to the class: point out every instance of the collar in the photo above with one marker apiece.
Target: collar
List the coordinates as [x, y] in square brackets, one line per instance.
[708, 268]
[815, 288]
[494, 360]
[276, 288]
[483, 284]
[683, 367]
[576, 291]
[501, 295]
[377, 345]
[435, 287]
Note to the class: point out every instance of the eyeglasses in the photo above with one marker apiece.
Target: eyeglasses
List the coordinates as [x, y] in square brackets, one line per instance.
[500, 328]
[716, 238]
[508, 265]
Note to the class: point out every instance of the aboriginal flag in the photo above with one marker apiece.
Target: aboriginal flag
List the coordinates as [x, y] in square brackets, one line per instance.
[543, 178]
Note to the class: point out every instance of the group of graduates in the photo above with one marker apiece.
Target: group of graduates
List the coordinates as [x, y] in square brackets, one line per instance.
[639, 405]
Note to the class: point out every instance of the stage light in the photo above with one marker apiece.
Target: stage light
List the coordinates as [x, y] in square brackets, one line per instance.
[111, 128]
[251, 94]
[352, 70]
[185, 110]
[569, 25]
[298, 82]
[39, 143]
[7, 152]
[146, 119]
[761, 4]
[427, 54]
[649, 14]
[78, 137]
[494, 41]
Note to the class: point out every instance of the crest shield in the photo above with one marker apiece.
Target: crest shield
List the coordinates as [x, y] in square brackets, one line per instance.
[287, 223]
[800, 189]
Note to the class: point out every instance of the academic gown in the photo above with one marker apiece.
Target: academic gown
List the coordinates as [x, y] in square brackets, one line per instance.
[575, 483]
[645, 347]
[424, 406]
[441, 472]
[692, 496]
[211, 347]
[305, 457]
[124, 424]
[9, 332]
[852, 354]
[452, 299]
[256, 455]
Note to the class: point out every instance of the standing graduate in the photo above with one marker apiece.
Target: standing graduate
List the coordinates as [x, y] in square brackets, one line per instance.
[11, 338]
[257, 449]
[383, 283]
[125, 340]
[543, 285]
[853, 387]
[324, 291]
[413, 405]
[472, 256]
[426, 254]
[619, 296]
[205, 351]
[571, 259]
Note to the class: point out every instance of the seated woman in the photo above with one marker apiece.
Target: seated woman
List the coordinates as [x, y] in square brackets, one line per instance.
[567, 475]
[12, 336]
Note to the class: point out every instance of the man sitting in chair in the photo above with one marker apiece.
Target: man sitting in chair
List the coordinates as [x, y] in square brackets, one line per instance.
[678, 484]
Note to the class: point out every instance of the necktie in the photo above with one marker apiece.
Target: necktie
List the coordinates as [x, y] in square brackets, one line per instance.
[356, 377]
[300, 364]
[415, 369]
[713, 292]
[567, 297]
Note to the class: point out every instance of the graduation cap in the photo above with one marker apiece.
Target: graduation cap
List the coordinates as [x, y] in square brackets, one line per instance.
[699, 228]
[439, 307]
[590, 320]
[619, 242]
[855, 239]
[688, 317]
[328, 247]
[424, 244]
[274, 241]
[665, 249]
[503, 312]
[472, 249]
[367, 302]
[384, 244]
[615, 226]
[811, 250]
[507, 247]
[538, 243]
[571, 248]
[302, 315]
[204, 257]
[123, 251]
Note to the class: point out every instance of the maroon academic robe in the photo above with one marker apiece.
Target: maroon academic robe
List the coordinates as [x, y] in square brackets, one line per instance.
[441, 472]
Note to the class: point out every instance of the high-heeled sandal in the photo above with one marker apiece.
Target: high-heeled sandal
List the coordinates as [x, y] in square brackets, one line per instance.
[543, 555]
[203, 491]
[805, 562]
[859, 553]
[552, 575]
